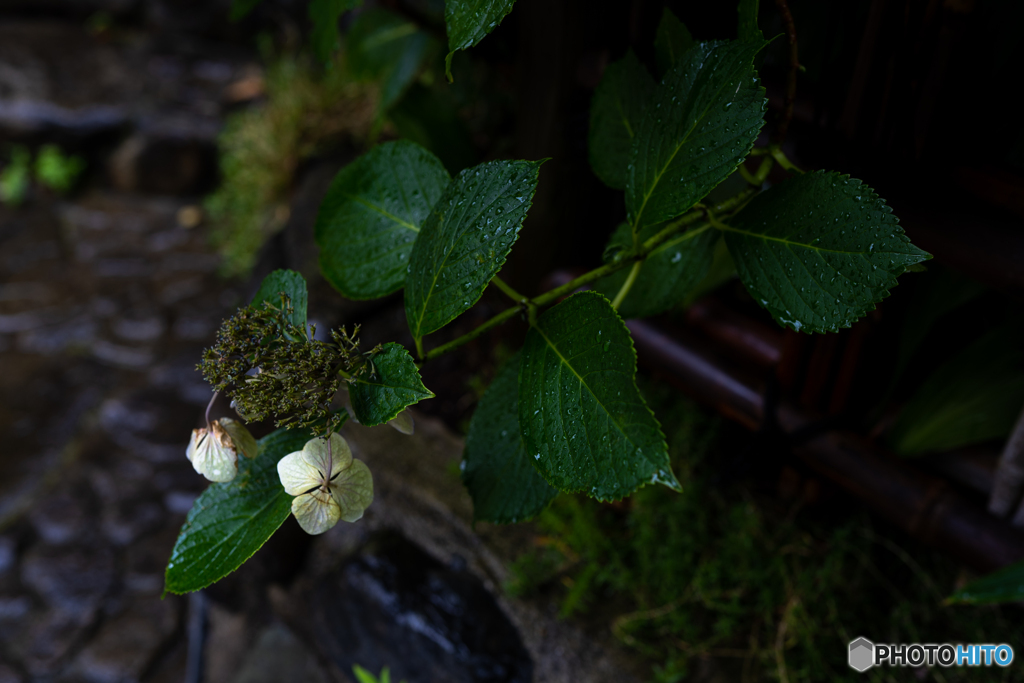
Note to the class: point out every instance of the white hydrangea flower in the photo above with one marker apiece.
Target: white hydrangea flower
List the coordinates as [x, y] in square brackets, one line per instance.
[322, 499]
[213, 450]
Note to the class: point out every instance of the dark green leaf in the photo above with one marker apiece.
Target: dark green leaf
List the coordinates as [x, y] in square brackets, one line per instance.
[371, 215]
[231, 521]
[747, 29]
[615, 113]
[671, 41]
[1005, 585]
[582, 417]
[465, 240]
[386, 49]
[937, 294]
[975, 396]
[819, 250]
[468, 21]
[324, 15]
[666, 276]
[700, 124]
[392, 385]
[240, 8]
[290, 284]
[504, 485]
[721, 270]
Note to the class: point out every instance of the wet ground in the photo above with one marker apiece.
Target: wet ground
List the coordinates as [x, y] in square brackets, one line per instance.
[107, 298]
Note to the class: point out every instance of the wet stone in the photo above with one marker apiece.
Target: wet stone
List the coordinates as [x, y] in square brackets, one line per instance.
[8, 556]
[71, 579]
[129, 642]
[394, 605]
[8, 675]
[64, 516]
[277, 655]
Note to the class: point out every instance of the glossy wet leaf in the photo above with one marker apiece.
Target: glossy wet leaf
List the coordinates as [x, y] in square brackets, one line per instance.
[668, 274]
[582, 417]
[324, 16]
[1005, 585]
[370, 216]
[975, 396]
[390, 387]
[503, 483]
[671, 41]
[465, 240]
[289, 283]
[615, 114]
[819, 250]
[231, 521]
[701, 122]
[468, 21]
[386, 49]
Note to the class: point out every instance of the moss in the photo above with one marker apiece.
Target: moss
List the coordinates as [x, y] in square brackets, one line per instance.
[306, 112]
[721, 577]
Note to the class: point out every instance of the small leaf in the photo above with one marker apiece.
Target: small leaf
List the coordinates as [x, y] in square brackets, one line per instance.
[583, 419]
[1005, 585]
[392, 385]
[465, 240]
[974, 396]
[666, 276]
[504, 485]
[371, 215]
[700, 124]
[615, 114]
[747, 29]
[386, 49]
[468, 21]
[671, 41]
[286, 282]
[324, 15]
[819, 250]
[229, 522]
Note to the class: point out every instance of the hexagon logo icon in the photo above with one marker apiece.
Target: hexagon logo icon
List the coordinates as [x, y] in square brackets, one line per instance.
[862, 654]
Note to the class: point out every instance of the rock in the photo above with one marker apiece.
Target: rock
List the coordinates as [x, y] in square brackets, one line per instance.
[277, 655]
[9, 675]
[396, 606]
[128, 644]
[146, 559]
[65, 516]
[8, 555]
[58, 78]
[127, 520]
[226, 643]
[73, 580]
[417, 491]
[165, 164]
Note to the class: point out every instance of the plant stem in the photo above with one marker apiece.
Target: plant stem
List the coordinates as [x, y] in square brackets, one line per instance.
[469, 336]
[783, 160]
[511, 293]
[531, 305]
[627, 285]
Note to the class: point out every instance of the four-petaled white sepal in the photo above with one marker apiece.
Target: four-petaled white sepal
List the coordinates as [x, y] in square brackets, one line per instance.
[328, 484]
